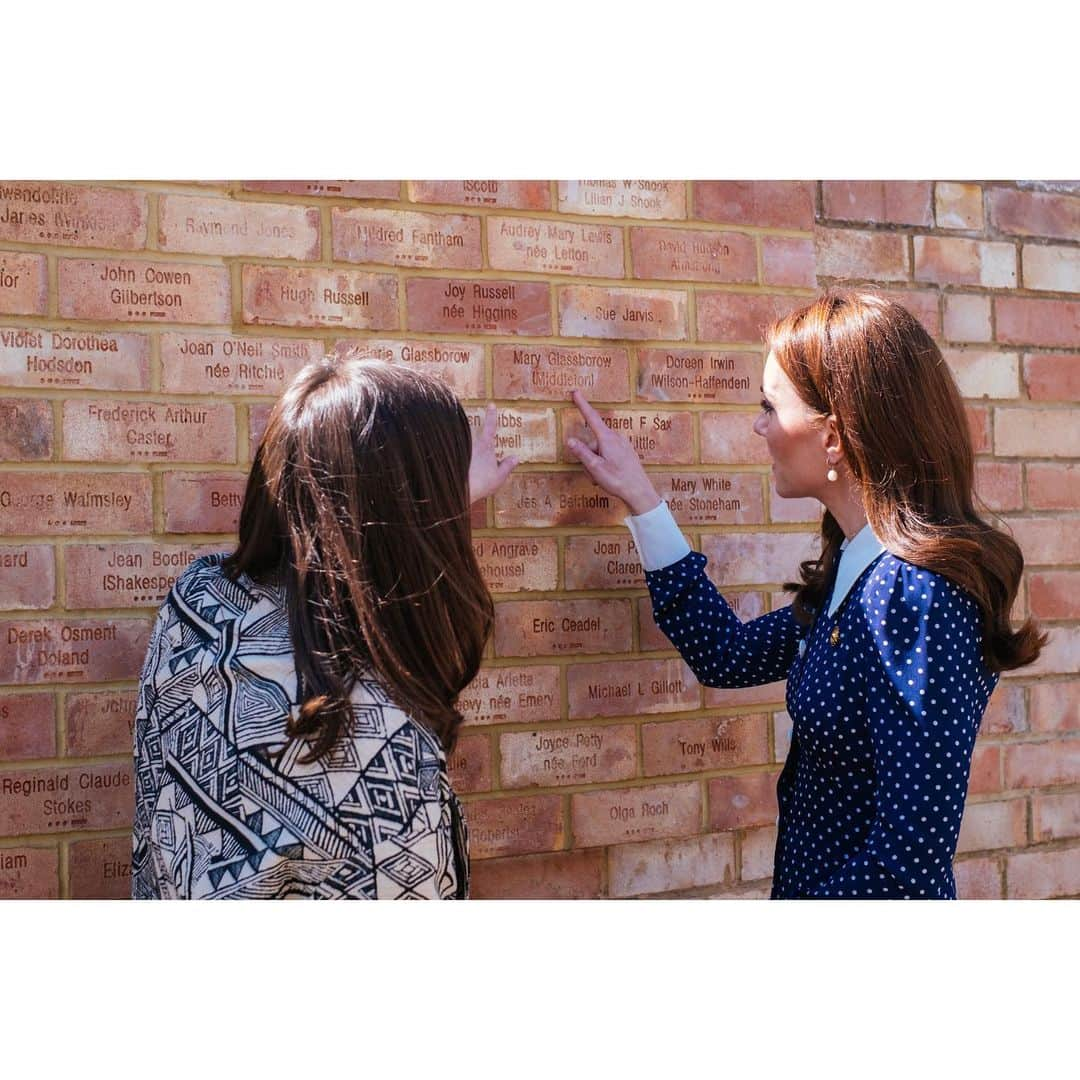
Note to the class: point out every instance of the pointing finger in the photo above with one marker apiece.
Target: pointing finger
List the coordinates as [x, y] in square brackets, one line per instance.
[592, 417]
[490, 426]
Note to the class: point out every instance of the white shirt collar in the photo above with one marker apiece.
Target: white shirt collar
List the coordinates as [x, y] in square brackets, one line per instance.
[856, 555]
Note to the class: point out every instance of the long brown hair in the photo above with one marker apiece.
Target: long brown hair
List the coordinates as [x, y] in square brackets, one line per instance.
[358, 504]
[870, 363]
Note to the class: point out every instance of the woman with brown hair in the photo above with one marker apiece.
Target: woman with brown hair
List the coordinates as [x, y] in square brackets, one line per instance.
[898, 630]
[299, 696]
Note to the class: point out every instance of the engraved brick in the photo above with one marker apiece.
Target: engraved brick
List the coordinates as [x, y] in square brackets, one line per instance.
[203, 502]
[49, 213]
[518, 564]
[899, 202]
[758, 850]
[511, 695]
[766, 694]
[100, 722]
[967, 318]
[659, 438]
[232, 364]
[699, 375]
[1041, 875]
[741, 317]
[129, 290]
[988, 826]
[29, 873]
[631, 687]
[469, 766]
[568, 755]
[692, 255]
[126, 575]
[334, 189]
[24, 284]
[653, 199]
[626, 314]
[793, 511]
[641, 813]
[544, 246]
[26, 429]
[1036, 433]
[27, 726]
[1053, 377]
[1055, 817]
[978, 417]
[535, 500]
[75, 359]
[847, 253]
[514, 826]
[122, 431]
[757, 559]
[258, 418]
[1005, 714]
[66, 504]
[789, 260]
[712, 498]
[958, 206]
[1043, 764]
[708, 742]
[985, 774]
[745, 605]
[407, 238]
[978, 879]
[952, 260]
[1047, 541]
[527, 434]
[742, 802]
[100, 869]
[551, 627]
[27, 577]
[781, 204]
[297, 296]
[1053, 269]
[460, 364]
[1054, 324]
[71, 650]
[550, 372]
[509, 194]
[55, 800]
[1025, 213]
[1053, 487]
[570, 875]
[602, 562]
[659, 866]
[985, 374]
[230, 227]
[463, 306]
[999, 484]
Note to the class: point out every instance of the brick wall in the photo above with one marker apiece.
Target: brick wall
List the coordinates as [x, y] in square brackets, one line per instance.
[145, 329]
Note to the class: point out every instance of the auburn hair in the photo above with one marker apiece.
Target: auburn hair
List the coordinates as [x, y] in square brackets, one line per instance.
[870, 363]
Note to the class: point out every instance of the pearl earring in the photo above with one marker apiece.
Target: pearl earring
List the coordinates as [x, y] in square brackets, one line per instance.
[832, 474]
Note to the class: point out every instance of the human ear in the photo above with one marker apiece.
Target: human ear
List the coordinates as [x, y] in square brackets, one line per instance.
[833, 444]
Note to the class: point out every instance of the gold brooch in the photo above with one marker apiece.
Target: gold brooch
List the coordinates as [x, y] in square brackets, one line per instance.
[834, 637]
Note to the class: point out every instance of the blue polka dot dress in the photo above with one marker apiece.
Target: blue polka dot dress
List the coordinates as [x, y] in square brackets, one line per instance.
[885, 697]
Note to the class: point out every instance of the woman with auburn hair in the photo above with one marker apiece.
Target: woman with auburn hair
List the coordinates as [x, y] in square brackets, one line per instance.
[299, 696]
[898, 630]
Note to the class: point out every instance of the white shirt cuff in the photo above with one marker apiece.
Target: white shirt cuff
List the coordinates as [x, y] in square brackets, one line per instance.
[659, 539]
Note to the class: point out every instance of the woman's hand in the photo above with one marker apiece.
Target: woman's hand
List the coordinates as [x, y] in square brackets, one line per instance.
[486, 473]
[614, 465]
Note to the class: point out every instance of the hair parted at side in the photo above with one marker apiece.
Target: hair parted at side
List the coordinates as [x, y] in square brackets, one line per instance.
[869, 362]
[358, 504]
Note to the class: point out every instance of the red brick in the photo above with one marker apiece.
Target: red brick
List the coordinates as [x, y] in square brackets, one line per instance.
[100, 869]
[551, 627]
[1060, 656]
[602, 562]
[781, 204]
[1033, 214]
[203, 502]
[846, 253]
[232, 364]
[514, 826]
[1051, 323]
[24, 284]
[126, 575]
[1037, 875]
[704, 743]
[757, 558]
[958, 206]
[518, 563]
[766, 694]
[1036, 433]
[230, 227]
[652, 199]
[462, 306]
[1055, 817]
[792, 511]
[712, 498]
[1051, 269]
[659, 438]
[258, 418]
[758, 849]
[789, 260]
[659, 866]
[69, 650]
[1047, 541]
[122, 431]
[999, 485]
[1005, 713]
[130, 290]
[699, 375]
[570, 875]
[527, 434]
[29, 873]
[978, 879]
[66, 504]
[754, 891]
[49, 213]
[29, 577]
[26, 429]
[1055, 594]
[967, 318]
[100, 722]
[742, 802]
[1055, 706]
[550, 372]
[631, 688]
[984, 374]
[741, 317]
[568, 755]
[728, 439]
[296, 296]
[544, 246]
[985, 776]
[69, 799]
[898, 202]
[337, 189]
[1052, 377]
[535, 500]
[1042, 764]
[469, 765]
[27, 726]
[626, 314]
[513, 194]
[922, 303]
[74, 359]
[991, 825]
[693, 255]
[979, 425]
[460, 364]
[953, 260]
[512, 695]
[745, 605]
[621, 815]
[781, 735]
[407, 238]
